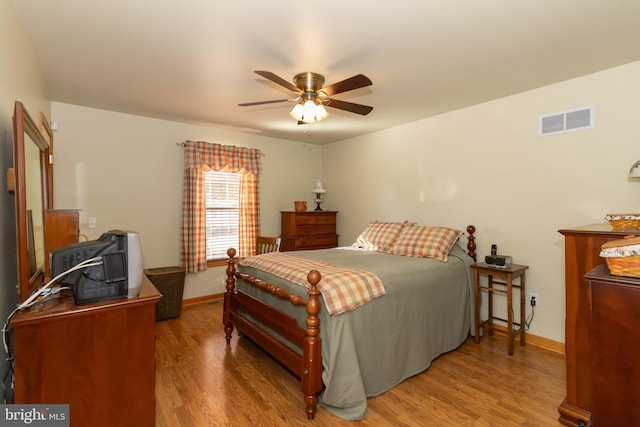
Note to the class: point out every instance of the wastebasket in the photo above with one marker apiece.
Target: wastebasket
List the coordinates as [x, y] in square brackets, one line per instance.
[170, 282]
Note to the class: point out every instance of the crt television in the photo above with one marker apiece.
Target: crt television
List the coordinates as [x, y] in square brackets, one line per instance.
[117, 272]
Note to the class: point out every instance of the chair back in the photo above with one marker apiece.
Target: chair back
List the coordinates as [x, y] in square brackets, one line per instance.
[267, 244]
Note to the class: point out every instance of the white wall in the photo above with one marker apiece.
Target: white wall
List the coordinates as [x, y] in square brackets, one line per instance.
[22, 80]
[486, 165]
[127, 172]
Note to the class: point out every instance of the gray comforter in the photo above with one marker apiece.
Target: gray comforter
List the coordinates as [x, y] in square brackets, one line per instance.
[427, 311]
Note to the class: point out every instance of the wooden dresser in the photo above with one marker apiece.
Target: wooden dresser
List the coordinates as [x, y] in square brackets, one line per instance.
[308, 230]
[99, 358]
[582, 254]
[62, 227]
[615, 348]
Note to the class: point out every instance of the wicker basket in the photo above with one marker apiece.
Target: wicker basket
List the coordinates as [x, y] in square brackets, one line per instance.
[170, 282]
[624, 221]
[628, 266]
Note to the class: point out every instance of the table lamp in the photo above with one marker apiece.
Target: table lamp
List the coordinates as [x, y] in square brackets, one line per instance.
[634, 172]
[319, 191]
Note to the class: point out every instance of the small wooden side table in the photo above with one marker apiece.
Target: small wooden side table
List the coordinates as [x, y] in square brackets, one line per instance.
[506, 275]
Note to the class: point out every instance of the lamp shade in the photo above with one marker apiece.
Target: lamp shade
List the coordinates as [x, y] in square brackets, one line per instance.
[297, 112]
[321, 112]
[318, 189]
[634, 172]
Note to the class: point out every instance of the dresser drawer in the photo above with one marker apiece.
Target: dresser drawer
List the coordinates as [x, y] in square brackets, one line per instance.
[326, 228]
[326, 218]
[310, 230]
[317, 242]
[305, 219]
[306, 230]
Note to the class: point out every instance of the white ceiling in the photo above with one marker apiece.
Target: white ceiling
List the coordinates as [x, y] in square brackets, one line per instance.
[194, 60]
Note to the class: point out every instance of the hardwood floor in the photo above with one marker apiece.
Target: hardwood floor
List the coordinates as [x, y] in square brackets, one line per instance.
[201, 382]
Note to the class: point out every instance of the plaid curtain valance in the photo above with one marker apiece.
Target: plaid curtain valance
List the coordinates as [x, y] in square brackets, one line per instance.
[218, 157]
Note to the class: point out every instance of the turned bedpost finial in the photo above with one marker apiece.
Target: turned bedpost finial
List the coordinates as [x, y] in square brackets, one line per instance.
[231, 253]
[231, 284]
[312, 356]
[313, 306]
[471, 242]
[314, 278]
[231, 269]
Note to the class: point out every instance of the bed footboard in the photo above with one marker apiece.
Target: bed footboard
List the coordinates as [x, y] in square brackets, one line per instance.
[238, 306]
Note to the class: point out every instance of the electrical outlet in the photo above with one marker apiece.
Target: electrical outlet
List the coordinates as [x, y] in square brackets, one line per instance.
[534, 300]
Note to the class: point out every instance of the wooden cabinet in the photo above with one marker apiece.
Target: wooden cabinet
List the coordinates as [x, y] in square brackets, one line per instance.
[99, 358]
[615, 346]
[308, 230]
[505, 276]
[62, 227]
[582, 254]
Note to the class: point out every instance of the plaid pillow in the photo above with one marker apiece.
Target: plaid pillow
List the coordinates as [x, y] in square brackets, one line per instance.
[426, 242]
[379, 235]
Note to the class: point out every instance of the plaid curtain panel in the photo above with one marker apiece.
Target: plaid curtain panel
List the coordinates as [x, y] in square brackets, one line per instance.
[249, 218]
[199, 155]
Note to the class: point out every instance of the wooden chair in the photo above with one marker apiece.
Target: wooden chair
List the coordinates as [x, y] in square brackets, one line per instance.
[267, 244]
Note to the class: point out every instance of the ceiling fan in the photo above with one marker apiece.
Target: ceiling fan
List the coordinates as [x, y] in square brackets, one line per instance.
[312, 96]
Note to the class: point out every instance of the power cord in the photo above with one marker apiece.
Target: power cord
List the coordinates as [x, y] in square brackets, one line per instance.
[529, 319]
[45, 293]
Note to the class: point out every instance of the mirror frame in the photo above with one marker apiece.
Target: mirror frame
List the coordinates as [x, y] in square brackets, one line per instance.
[24, 124]
[45, 127]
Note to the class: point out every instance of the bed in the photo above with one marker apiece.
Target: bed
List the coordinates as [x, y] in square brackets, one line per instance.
[424, 311]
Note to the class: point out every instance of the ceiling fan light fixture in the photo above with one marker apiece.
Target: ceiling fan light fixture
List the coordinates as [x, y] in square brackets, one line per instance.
[297, 112]
[321, 112]
[309, 112]
[309, 115]
[312, 96]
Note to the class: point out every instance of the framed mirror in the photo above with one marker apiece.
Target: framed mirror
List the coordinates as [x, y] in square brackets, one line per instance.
[45, 129]
[33, 194]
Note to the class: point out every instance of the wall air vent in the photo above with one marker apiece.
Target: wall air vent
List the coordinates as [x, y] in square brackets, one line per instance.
[567, 121]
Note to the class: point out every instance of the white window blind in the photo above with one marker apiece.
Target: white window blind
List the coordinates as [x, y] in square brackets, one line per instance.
[222, 193]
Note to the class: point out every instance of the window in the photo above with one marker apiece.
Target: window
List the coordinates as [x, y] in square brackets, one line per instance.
[222, 201]
[242, 168]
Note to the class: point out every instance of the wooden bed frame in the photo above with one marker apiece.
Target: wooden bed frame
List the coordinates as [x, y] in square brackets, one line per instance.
[307, 366]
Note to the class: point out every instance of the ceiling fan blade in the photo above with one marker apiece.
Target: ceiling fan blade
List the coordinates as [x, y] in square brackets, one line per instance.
[349, 106]
[355, 82]
[279, 80]
[249, 104]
